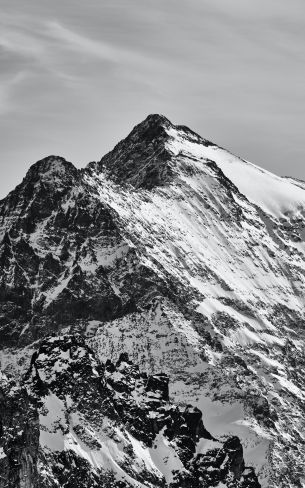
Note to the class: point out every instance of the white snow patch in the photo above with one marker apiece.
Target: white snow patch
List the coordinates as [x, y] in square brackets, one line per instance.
[164, 457]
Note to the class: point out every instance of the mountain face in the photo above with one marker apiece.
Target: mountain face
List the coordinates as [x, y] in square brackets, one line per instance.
[152, 320]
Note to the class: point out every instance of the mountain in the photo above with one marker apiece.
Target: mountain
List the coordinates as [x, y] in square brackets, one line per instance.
[186, 261]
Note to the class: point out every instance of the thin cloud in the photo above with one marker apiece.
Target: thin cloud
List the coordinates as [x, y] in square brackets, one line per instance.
[45, 42]
[7, 89]
[19, 43]
[25, 43]
[79, 43]
[51, 46]
[101, 50]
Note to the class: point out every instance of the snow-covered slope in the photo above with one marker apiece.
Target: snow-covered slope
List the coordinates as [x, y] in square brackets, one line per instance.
[276, 195]
[184, 256]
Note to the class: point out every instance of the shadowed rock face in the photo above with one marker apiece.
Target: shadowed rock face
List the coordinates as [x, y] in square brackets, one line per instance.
[224, 465]
[158, 256]
[19, 437]
[141, 159]
[53, 210]
[77, 399]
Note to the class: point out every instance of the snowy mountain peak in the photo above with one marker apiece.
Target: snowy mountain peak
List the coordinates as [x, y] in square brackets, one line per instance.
[151, 128]
[155, 120]
[146, 158]
[141, 159]
[51, 168]
[175, 255]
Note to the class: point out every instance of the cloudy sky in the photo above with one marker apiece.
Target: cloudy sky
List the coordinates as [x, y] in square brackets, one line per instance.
[76, 76]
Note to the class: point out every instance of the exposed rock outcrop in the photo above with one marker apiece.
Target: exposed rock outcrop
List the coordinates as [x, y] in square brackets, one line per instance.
[99, 423]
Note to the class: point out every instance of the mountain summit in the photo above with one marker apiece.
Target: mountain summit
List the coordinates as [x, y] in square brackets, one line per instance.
[141, 159]
[152, 319]
[145, 158]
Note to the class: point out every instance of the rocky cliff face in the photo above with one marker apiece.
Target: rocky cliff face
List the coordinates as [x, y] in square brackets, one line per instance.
[190, 261]
[106, 425]
[19, 436]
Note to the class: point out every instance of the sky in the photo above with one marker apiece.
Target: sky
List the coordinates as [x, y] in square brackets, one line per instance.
[76, 76]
